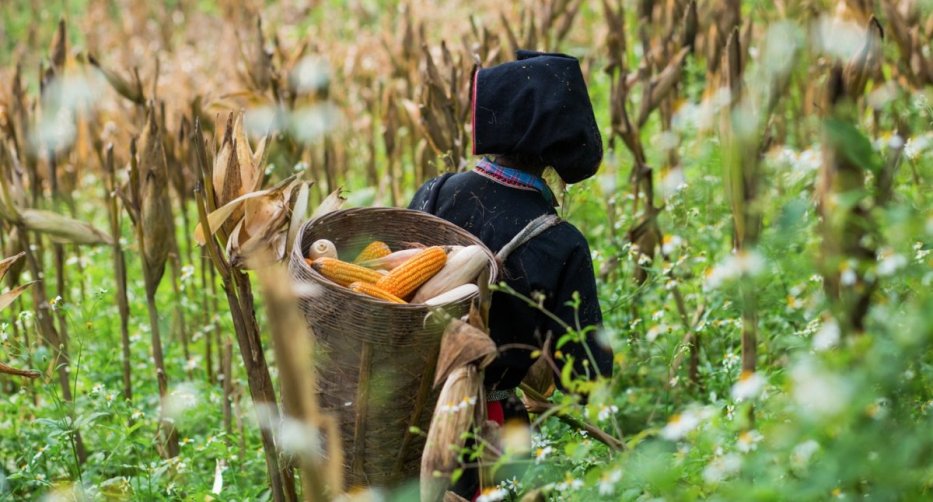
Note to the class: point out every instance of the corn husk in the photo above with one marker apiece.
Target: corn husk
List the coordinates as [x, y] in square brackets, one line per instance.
[462, 344]
[453, 416]
[155, 210]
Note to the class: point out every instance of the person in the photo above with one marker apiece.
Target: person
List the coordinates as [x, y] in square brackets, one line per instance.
[527, 115]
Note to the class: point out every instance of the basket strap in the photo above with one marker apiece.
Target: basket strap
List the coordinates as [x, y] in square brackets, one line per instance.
[534, 228]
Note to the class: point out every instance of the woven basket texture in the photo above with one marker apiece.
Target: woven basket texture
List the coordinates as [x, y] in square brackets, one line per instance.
[375, 360]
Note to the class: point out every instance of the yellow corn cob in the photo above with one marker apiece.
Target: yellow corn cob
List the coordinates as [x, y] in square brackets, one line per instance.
[343, 273]
[375, 292]
[373, 250]
[405, 279]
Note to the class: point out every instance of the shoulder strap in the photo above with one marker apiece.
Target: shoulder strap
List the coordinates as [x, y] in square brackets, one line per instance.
[534, 228]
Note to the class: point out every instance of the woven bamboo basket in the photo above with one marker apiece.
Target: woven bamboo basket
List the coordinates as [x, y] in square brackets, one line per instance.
[376, 360]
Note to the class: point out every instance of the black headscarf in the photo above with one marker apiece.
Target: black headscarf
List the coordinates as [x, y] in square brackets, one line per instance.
[537, 107]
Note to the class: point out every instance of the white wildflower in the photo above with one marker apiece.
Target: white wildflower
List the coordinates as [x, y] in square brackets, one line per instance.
[802, 453]
[748, 441]
[542, 453]
[670, 243]
[818, 392]
[493, 494]
[748, 387]
[890, 262]
[740, 264]
[722, 467]
[827, 337]
[608, 481]
[681, 424]
[607, 411]
[730, 360]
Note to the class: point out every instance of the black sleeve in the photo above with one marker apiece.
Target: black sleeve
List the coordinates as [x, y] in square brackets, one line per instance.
[425, 198]
[578, 276]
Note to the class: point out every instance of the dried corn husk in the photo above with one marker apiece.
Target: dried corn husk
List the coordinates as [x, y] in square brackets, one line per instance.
[155, 209]
[453, 416]
[462, 344]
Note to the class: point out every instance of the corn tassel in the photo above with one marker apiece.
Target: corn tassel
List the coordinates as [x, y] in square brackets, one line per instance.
[375, 292]
[407, 277]
[374, 250]
[343, 273]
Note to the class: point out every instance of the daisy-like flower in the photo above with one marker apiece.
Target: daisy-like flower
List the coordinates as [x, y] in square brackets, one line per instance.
[740, 264]
[890, 262]
[493, 494]
[748, 387]
[608, 481]
[722, 467]
[542, 453]
[607, 411]
[748, 441]
[819, 393]
[680, 425]
[827, 336]
[670, 243]
[802, 453]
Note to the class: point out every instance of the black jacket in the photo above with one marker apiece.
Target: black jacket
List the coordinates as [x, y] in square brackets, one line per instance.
[556, 263]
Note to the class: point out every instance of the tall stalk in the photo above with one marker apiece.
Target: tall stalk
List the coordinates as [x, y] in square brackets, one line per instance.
[119, 270]
[148, 182]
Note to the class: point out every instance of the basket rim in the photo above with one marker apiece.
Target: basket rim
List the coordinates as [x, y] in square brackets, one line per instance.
[297, 259]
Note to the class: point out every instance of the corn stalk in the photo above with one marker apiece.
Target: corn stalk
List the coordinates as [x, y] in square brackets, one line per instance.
[242, 309]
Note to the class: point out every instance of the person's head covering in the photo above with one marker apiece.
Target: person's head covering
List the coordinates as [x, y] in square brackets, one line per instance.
[537, 107]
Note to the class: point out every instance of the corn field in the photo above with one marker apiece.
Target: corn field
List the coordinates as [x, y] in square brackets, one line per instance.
[761, 229]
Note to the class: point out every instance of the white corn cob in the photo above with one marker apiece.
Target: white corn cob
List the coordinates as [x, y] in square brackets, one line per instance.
[323, 248]
[456, 294]
[393, 260]
[461, 268]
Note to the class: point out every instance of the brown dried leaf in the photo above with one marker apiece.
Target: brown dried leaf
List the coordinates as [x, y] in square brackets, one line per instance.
[6, 263]
[62, 228]
[299, 213]
[10, 296]
[330, 204]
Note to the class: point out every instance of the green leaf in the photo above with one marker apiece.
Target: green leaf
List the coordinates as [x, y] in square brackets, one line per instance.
[847, 140]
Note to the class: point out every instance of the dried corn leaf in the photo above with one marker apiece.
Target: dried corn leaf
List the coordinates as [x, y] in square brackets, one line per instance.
[131, 91]
[62, 228]
[10, 296]
[220, 216]
[462, 344]
[6, 263]
[453, 416]
[299, 213]
[330, 204]
[221, 162]
[250, 173]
